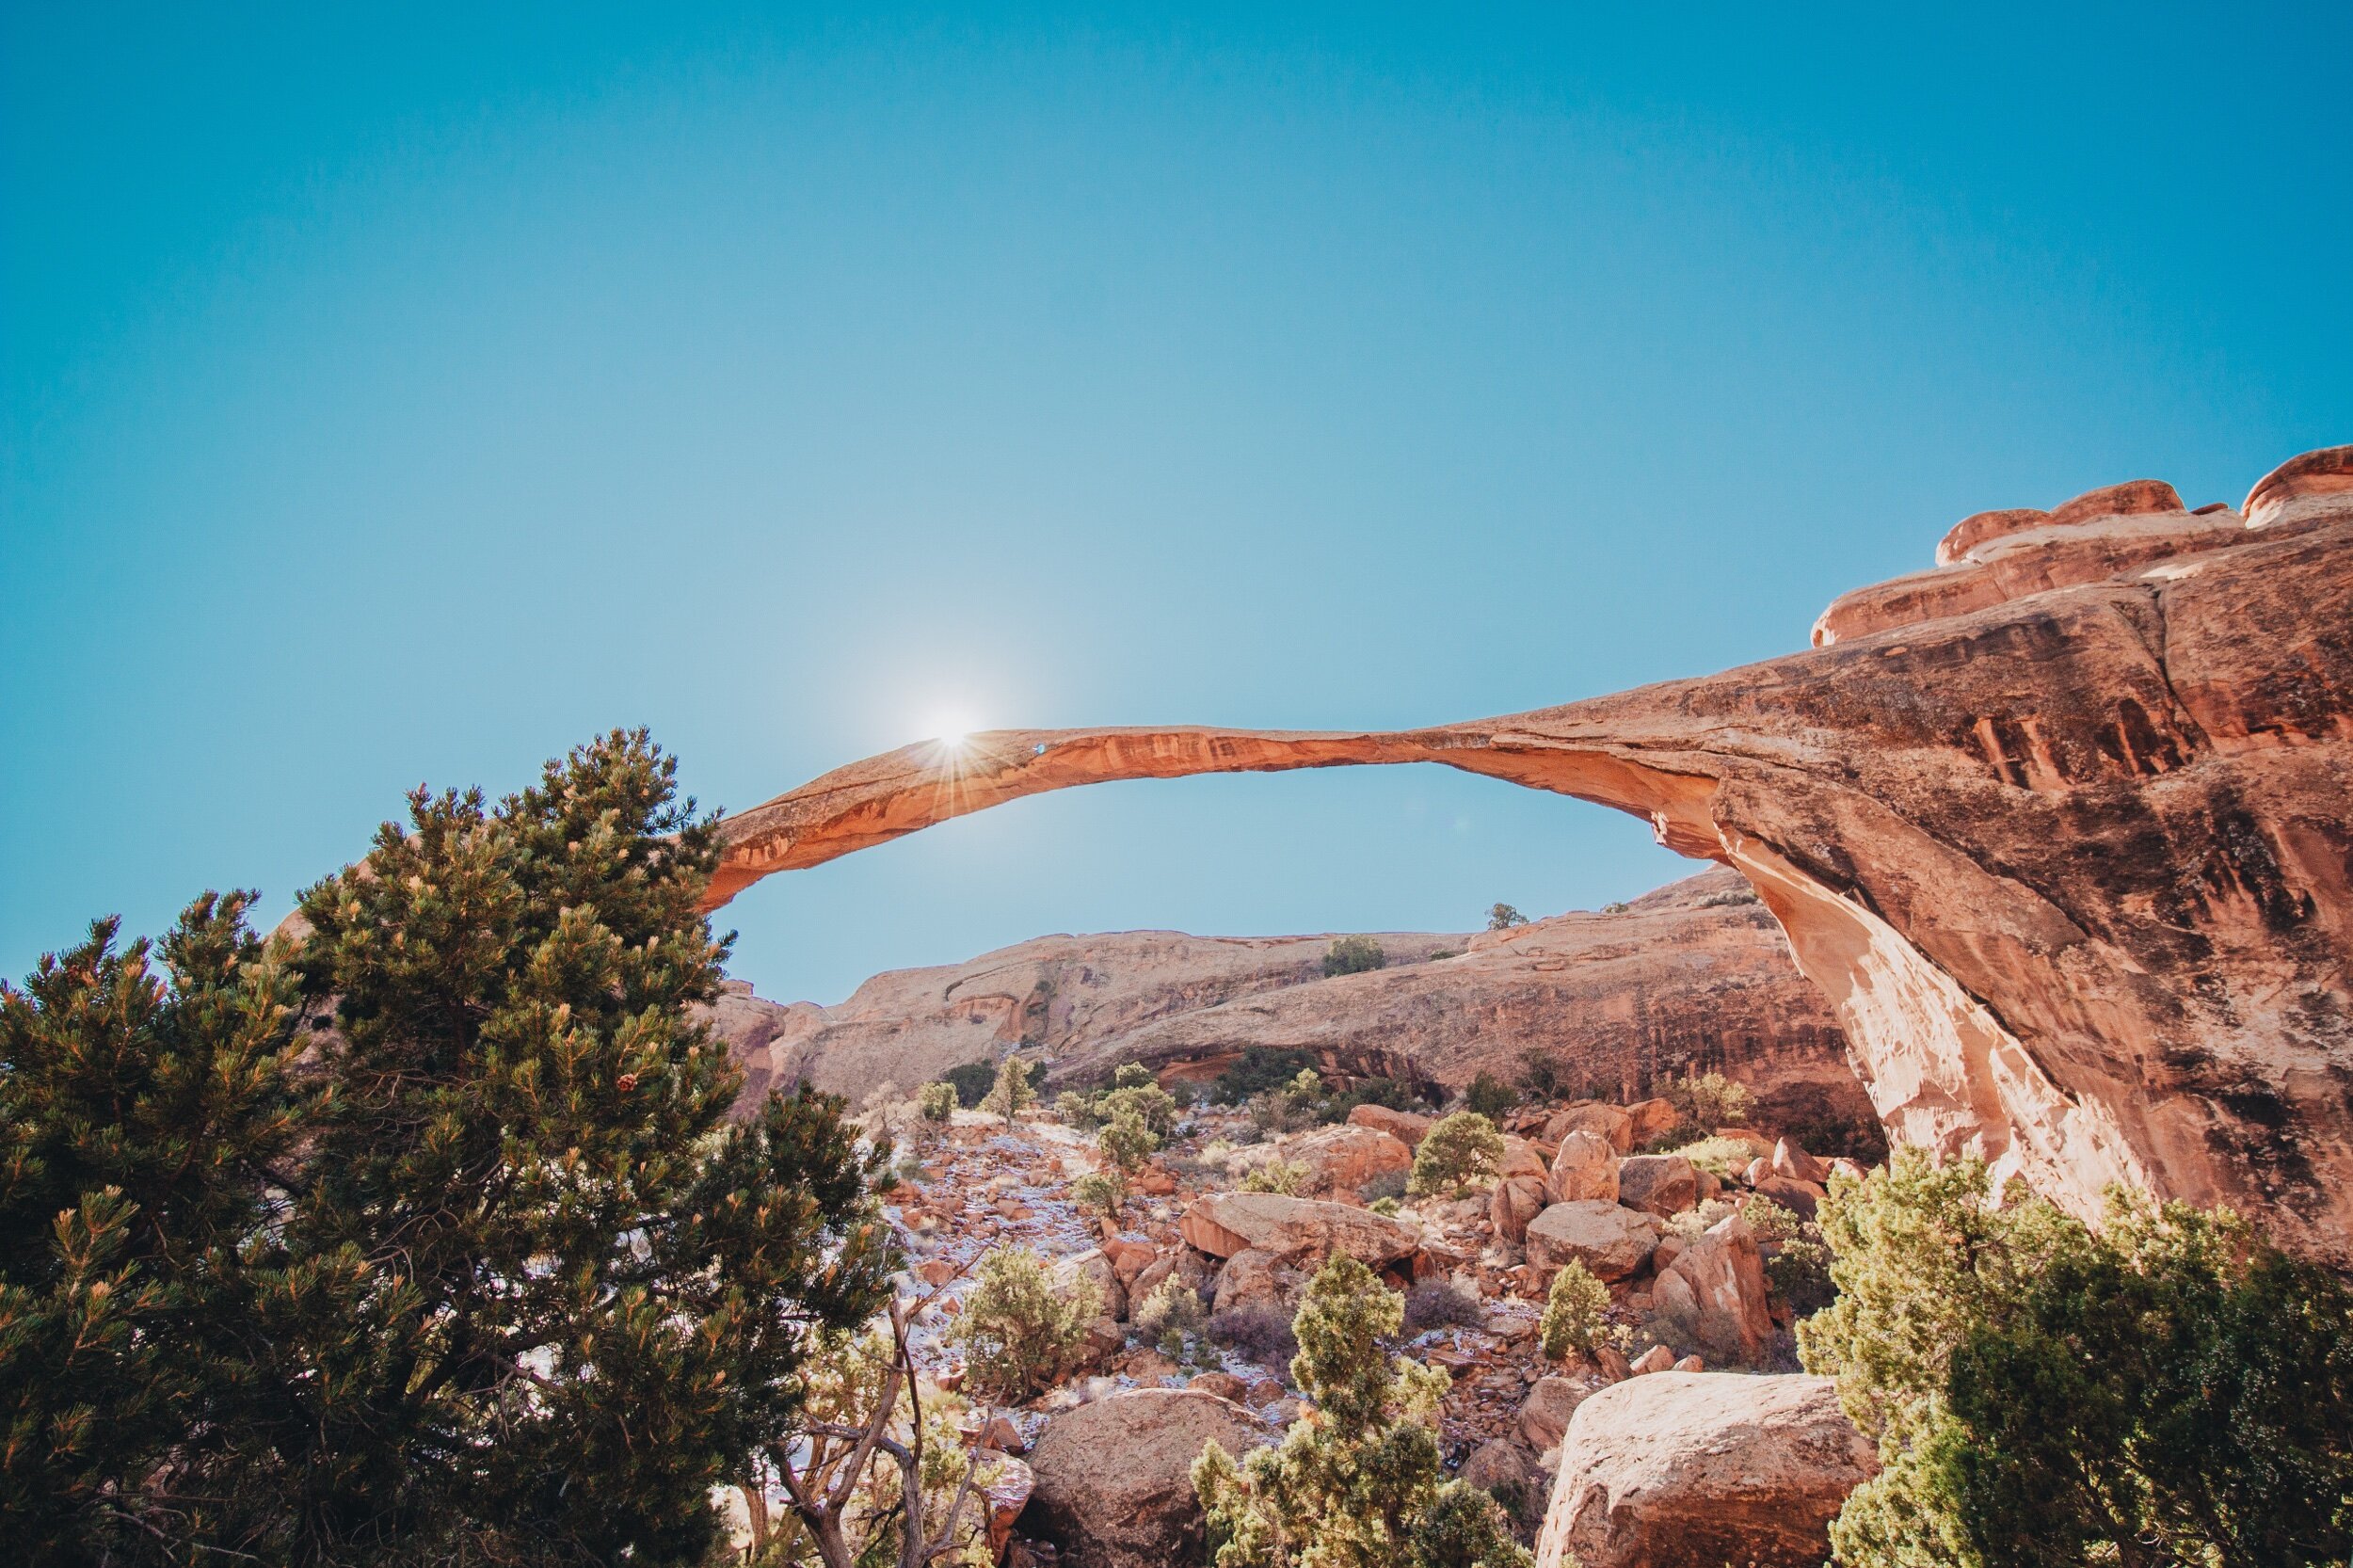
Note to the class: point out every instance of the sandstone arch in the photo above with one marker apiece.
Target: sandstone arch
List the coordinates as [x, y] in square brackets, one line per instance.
[2063, 827]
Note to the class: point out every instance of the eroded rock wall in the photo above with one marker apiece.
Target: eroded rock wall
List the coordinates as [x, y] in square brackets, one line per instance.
[1695, 975]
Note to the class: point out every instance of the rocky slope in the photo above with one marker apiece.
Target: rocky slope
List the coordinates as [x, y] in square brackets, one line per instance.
[1694, 975]
[2063, 829]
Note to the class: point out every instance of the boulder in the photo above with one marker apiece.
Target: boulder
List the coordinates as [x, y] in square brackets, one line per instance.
[1609, 1238]
[1514, 1204]
[1544, 1414]
[1129, 1259]
[1608, 1122]
[1499, 1462]
[1799, 1197]
[1522, 1157]
[1114, 1479]
[1697, 1469]
[1182, 1263]
[1226, 1386]
[1255, 1278]
[1794, 1162]
[1345, 1158]
[1714, 1292]
[1006, 1494]
[1403, 1126]
[1093, 1266]
[1654, 1118]
[1659, 1358]
[1224, 1223]
[1586, 1167]
[1661, 1184]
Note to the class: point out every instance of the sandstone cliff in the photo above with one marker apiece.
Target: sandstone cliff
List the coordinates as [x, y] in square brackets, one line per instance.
[1692, 976]
[2062, 829]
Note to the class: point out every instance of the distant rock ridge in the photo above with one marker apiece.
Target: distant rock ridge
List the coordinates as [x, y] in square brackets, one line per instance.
[2062, 829]
[1692, 976]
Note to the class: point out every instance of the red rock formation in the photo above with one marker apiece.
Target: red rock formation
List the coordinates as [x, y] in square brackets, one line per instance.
[1693, 975]
[2064, 830]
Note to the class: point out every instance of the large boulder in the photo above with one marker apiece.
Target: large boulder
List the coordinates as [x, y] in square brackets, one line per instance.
[1654, 1118]
[1114, 1479]
[1522, 1157]
[1514, 1204]
[1664, 1184]
[1403, 1126]
[1791, 1160]
[1585, 1167]
[1255, 1278]
[1092, 1265]
[1544, 1414]
[1802, 1198]
[1698, 1469]
[1609, 1123]
[1714, 1292]
[1224, 1223]
[1609, 1238]
[1345, 1158]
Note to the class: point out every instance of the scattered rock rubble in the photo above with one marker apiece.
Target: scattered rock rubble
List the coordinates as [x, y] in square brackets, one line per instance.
[1684, 1298]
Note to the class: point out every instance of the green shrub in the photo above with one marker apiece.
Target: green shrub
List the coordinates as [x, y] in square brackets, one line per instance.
[1286, 1177]
[1259, 1069]
[1363, 1485]
[1503, 917]
[1710, 1101]
[1147, 1102]
[973, 1081]
[1011, 1094]
[1076, 1109]
[1489, 1095]
[1395, 1094]
[1132, 1075]
[1100, 1192]
[1442, 1303]
[1694, 1223]
[347, 1246]
[1296, 1104]
[1724, 1156]
[1576, 1313]
[1352, 955]
[1457, 1152]
[938, 1101]
[2168, 1390]
[1127, 1142]
[1169, 1315]
[1386, 1203]
[1020, 1324]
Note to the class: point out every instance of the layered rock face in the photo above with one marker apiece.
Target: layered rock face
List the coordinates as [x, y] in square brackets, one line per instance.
[2063, 829]
[1694, 975]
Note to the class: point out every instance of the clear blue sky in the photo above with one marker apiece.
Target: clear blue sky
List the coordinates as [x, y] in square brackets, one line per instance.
[406, 393]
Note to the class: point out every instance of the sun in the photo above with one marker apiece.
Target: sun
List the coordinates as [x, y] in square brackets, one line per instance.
[952, 730]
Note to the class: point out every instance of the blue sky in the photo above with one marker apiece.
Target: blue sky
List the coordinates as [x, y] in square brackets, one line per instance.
[407, 394]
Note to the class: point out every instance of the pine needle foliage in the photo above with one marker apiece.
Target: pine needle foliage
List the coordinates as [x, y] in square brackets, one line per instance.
[1359, 1482]
[2164, 1392]
[423, 1234]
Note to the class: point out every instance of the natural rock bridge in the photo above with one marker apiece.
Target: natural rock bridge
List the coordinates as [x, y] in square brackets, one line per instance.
[2063, 827]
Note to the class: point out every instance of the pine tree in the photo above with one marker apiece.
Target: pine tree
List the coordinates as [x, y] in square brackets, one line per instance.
[426, 1235]
[1360, 1481]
